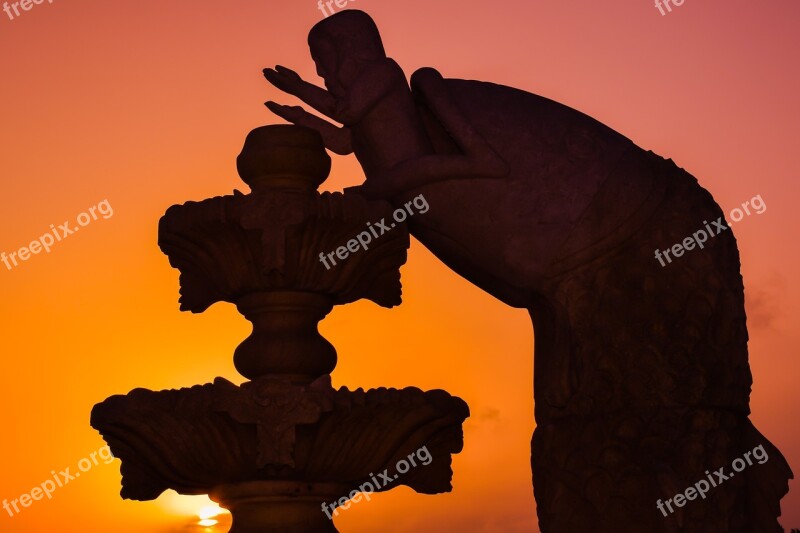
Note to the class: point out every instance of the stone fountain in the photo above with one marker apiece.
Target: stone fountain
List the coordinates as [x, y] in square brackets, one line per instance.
[279, 447]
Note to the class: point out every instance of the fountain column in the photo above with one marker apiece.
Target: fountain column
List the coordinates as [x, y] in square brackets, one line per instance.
[278, 447]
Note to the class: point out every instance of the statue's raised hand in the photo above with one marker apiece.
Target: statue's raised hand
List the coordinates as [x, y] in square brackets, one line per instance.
[294, 114]
[284, 79]
[290, 82]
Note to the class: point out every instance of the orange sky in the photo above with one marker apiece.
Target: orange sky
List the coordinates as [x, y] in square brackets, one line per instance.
[146, 104]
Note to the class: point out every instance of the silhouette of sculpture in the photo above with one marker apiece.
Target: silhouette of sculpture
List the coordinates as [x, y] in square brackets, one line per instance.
[283, 450]
[641, 373]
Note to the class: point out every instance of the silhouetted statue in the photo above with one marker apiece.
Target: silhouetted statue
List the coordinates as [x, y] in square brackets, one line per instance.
[641, 380]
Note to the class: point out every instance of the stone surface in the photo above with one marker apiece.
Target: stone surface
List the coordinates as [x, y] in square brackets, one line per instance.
[198, 439]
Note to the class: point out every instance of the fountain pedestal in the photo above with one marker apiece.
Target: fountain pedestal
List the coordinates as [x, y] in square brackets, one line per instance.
[279, 447]
[275, 506]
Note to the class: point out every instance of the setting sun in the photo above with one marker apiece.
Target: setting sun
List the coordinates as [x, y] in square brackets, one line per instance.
[208, 514]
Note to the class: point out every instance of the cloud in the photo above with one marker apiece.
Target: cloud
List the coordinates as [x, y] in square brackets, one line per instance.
[763, 303]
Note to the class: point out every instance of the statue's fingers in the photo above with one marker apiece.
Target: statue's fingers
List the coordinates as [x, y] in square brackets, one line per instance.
[278, 109]
[293, 114]
[287, 72]
[278, 80]
[272, 76]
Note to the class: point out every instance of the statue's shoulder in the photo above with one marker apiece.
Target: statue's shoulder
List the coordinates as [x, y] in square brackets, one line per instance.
[475, 97]
[497, 110]
[426, 79]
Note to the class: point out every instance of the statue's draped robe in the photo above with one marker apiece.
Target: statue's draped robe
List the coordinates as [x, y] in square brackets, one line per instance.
[642, 379]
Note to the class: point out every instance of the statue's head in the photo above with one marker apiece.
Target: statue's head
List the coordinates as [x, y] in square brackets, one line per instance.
[341, 45]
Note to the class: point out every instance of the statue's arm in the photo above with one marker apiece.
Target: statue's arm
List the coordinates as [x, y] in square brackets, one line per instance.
[478, 159]
[377, 81]
[290, 82]
[337, 140]
[428, 169]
